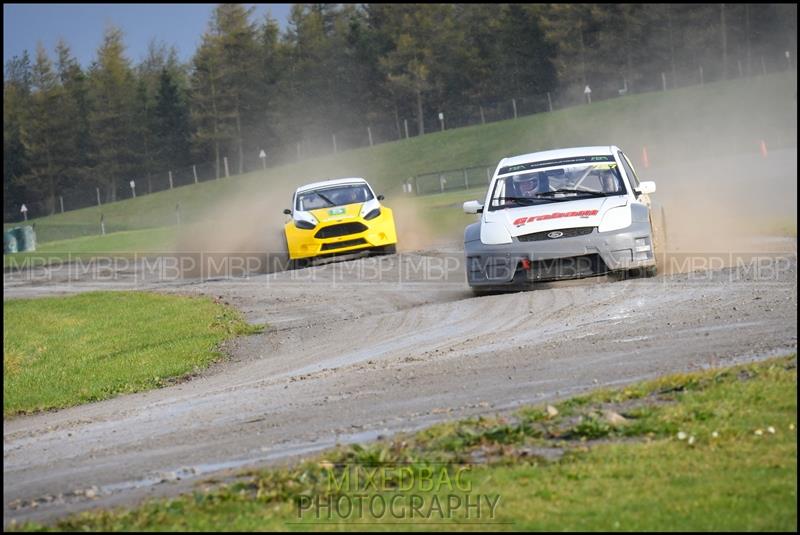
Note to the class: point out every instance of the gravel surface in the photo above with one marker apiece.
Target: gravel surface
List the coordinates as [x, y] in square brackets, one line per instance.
[369, 347]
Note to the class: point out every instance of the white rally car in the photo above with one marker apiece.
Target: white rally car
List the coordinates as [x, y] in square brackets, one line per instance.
[560, 214]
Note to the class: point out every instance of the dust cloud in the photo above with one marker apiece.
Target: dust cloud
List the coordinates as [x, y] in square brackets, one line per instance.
[719, 190]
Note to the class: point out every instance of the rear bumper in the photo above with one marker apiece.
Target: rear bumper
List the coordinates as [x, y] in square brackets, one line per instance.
[520, 263]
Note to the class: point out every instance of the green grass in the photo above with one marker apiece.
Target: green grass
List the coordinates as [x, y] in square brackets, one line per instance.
[59, 352]
[151, 240]
[675, 122]
[735, 468]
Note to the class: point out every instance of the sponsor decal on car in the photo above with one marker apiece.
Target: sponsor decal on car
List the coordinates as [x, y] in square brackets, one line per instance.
[524, 220]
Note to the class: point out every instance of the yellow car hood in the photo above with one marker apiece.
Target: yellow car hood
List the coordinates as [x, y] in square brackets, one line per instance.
[338, 213]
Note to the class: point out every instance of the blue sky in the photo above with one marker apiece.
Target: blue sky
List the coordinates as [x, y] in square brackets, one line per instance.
[82, 26]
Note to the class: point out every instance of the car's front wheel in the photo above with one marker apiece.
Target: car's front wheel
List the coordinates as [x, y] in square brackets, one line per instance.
[386, 249]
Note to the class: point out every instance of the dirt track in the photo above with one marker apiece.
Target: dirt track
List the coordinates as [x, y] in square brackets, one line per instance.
[370, 347]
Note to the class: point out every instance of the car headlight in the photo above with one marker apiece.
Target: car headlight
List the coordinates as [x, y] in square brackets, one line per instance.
[303, 224]
[616, 219]
[373, 214]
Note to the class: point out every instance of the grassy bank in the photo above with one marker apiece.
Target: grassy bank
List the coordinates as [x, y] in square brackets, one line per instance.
[672, 124]
[59, 352]
[714, 450]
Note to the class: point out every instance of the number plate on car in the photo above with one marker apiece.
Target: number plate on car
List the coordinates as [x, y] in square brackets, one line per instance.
[336, 211]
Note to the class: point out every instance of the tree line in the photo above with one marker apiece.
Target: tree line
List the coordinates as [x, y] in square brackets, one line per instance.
[250, 86]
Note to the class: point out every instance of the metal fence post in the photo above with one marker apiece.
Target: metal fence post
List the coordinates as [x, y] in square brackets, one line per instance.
[225, 161]
[194, 172]
[483, 118]
[102, 225]
[170, 180]
[98, 196]
[405, 121]
[549, 102]
[466, 179]
[514, 104]
[61, 200]
[334, 143]
[369, 133]
[663, 81]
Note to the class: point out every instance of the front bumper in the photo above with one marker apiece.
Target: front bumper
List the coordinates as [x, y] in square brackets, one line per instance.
[521, 262]
[378, 232]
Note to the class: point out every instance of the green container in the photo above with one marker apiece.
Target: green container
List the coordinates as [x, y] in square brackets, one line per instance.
[26, 238]
[9, 242]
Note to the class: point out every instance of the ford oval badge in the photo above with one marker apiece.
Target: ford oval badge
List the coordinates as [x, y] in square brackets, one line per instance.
[555, 234]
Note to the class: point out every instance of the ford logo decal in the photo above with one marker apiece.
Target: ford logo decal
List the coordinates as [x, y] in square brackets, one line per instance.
[555, 234]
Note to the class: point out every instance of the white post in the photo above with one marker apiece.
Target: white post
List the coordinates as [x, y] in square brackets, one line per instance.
[405, 122]
[702, 81]
[133, 188]
[98, 196]
[102, 225]
[549, 101]
[441, 182]
[441, 120]
[514, 103]
[663, 81]
[225, 161]
[194, 172]
[334, 143]
[61, 200]
[483, 118]
[170, 180]
[369, 133]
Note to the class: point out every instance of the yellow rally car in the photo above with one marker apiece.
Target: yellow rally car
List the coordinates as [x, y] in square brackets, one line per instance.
[337, 216]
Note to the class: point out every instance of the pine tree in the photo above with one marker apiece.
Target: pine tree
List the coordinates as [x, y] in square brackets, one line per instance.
[112, 118]
[16, 103]
[172, 124]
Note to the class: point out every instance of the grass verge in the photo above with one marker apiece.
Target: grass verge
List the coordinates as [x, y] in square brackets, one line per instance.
[713, 450]
[64, 351]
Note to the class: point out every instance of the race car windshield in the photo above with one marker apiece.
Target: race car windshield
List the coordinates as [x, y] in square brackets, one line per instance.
[333, 196]
[557, 184]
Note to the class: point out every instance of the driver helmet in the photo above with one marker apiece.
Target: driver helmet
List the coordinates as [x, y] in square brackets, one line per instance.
[526, 184]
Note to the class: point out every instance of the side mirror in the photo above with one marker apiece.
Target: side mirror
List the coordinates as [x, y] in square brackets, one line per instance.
[380, 197]
[473, 207]
[287, 212]
[647, 187]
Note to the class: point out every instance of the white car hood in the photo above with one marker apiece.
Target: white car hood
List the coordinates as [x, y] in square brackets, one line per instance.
[556, 215]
